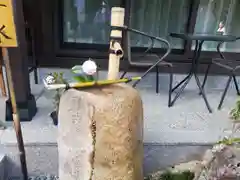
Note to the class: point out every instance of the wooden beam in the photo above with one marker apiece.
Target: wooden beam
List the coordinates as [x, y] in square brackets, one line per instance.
[19, 66]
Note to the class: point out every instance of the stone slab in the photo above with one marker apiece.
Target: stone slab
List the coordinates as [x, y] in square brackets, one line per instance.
[185, 128]
[188, 121]
[2, 166]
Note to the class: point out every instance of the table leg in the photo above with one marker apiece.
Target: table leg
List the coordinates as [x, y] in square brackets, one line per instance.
[181, 82]
[193, 71]
[201, 88]
[205, 76]
[202, 92]
[186, 80]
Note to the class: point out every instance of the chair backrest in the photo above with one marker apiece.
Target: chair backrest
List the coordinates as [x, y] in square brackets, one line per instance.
[220, 44]
[127, 46]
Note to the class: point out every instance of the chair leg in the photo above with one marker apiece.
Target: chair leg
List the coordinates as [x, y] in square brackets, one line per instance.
[170, 88]
[157, 79]
[124, 73]
[145, 74]
[35, 60]
[236, 84]
[225, 91]
[205, 77]
[35, 75]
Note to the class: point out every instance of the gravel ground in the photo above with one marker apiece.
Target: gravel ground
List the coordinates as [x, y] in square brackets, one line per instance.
[38, 178]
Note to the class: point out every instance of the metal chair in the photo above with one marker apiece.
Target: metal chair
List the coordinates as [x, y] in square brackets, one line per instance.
[232, 66]
[159, 61]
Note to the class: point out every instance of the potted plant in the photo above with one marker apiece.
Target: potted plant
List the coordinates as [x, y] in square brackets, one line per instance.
[55, 78]
[86, 72]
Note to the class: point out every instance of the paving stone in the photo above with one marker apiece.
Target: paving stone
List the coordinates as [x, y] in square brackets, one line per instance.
[187, 123]
[46, 177]
[2, 166]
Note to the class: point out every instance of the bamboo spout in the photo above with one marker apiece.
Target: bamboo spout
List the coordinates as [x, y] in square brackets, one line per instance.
[116, 51]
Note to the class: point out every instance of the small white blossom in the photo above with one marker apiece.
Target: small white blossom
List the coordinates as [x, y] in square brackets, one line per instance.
[89, 67]
[218, 148]
[50, 79]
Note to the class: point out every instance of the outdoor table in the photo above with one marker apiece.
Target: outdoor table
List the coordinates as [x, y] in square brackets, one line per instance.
[200, 39]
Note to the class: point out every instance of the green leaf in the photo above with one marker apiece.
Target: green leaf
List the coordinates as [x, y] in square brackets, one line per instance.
[77, 70]
[167, 176]
[235, 112]
[231, 141]
[185, 175]
[90, 78]
[80, 78]
[55, 74]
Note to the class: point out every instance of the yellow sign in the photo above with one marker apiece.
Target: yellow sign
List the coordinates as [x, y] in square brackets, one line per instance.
[8, 36]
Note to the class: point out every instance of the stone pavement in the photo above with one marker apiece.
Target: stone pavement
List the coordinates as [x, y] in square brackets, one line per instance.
[188, 121]
[171, 135]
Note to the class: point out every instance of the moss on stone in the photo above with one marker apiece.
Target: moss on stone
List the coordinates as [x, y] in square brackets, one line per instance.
[168, 175]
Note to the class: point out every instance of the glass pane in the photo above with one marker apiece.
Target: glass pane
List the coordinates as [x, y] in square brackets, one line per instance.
[219, 17]
[87, 21]
[159, 18]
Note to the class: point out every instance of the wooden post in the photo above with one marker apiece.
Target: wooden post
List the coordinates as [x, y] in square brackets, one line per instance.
[116, 52]
[19, 62]
[8, 38]
[16, 120]
[2, 82]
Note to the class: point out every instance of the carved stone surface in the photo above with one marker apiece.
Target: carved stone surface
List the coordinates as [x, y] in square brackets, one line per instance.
[100, 134]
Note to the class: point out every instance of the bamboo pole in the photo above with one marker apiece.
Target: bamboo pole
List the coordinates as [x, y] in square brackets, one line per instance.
[116, 52]
[16, 120]
[88, 84]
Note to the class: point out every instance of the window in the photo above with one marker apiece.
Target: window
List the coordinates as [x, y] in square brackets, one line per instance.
[219, 16]
[158, 18]
[87, 21]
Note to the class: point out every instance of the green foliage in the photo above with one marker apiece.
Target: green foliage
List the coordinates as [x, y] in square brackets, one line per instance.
[58, 77]
[235, 113]
[80, 79]
[80, 76]
[235, 116]
[229, 141]
[168, 175]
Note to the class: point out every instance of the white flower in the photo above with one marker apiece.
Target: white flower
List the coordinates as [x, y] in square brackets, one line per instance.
[218, 148]
[89, 67]
[50, 79]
